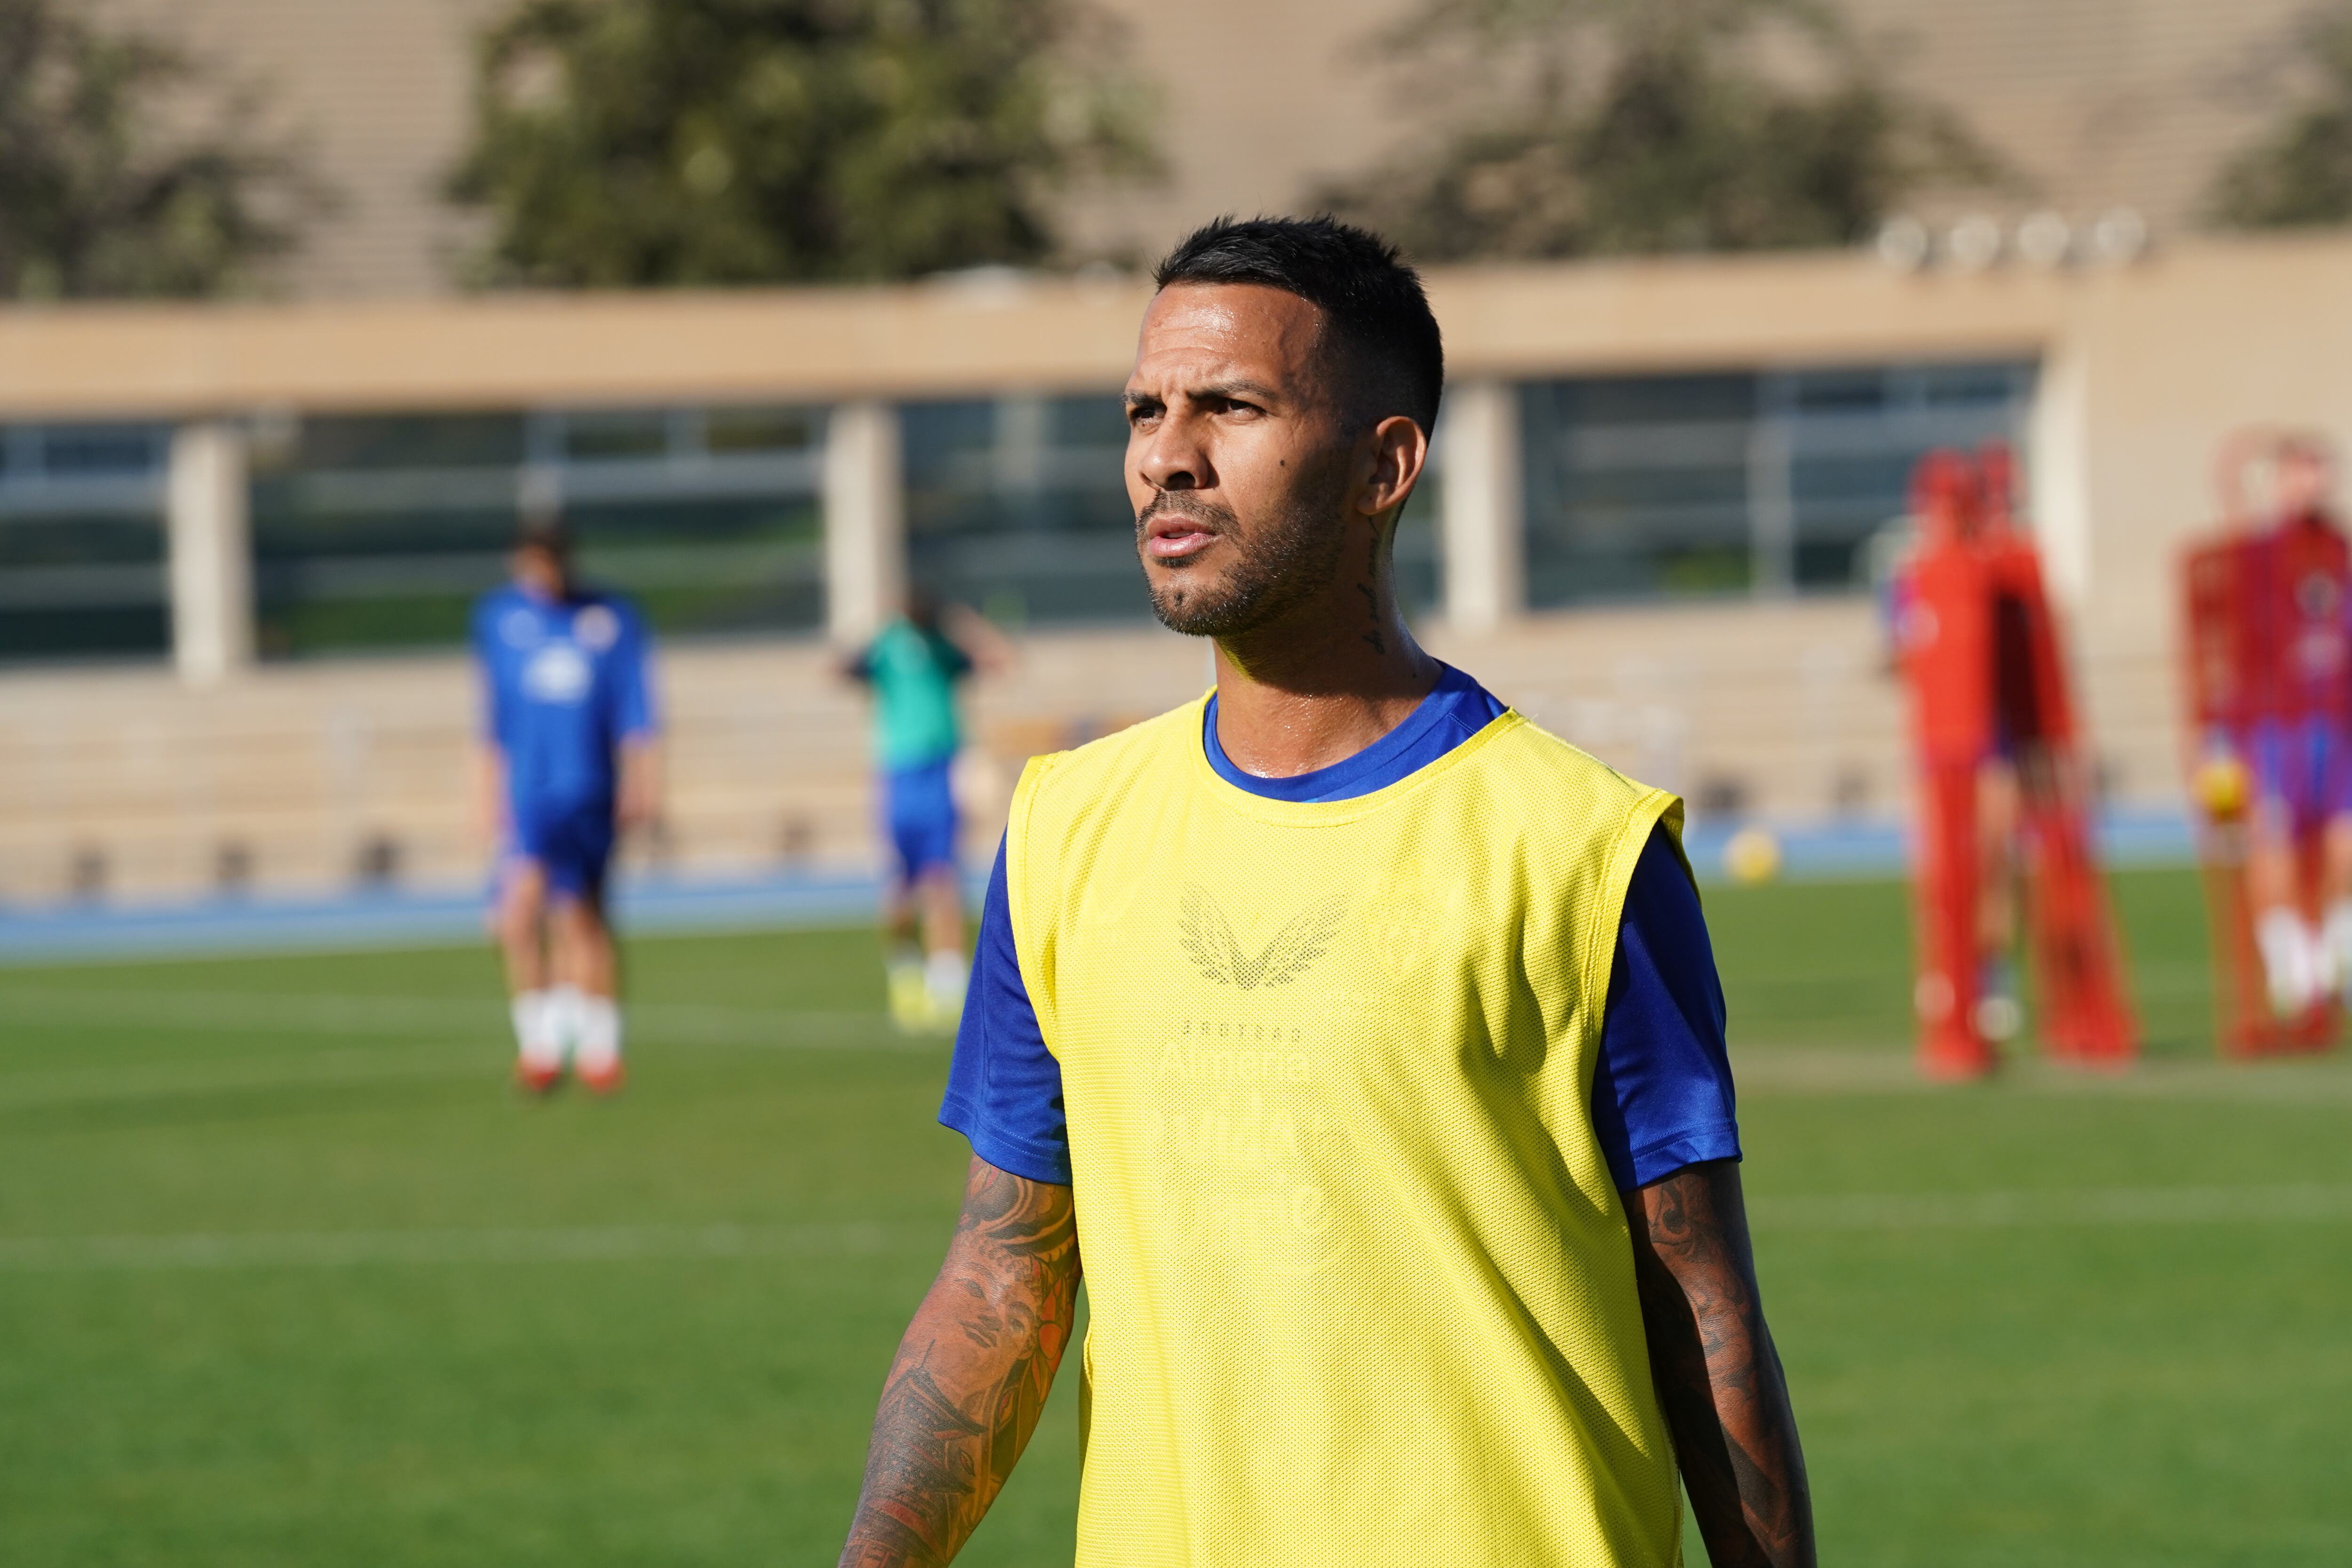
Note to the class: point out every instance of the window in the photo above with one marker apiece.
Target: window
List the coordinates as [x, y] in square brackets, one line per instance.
[1018, 507]
[1752, 482]
[380, 530]
[81, 542]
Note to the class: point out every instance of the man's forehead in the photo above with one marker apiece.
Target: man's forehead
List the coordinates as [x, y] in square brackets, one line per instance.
[1195, 328]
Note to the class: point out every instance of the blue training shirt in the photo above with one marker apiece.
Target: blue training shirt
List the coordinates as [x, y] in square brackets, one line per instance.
[564, 683]
[1662, 1092]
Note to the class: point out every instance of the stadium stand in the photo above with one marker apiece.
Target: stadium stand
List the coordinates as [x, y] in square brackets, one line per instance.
[321, 776]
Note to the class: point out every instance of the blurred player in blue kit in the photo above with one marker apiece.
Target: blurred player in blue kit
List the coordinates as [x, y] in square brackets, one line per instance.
[912, 667]
[569, 757]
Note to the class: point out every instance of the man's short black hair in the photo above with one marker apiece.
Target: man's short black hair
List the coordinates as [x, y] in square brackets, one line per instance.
[543, 528]
[1373, 300]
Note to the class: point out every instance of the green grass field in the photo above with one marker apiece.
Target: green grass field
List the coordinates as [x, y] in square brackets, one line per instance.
[286, 1275]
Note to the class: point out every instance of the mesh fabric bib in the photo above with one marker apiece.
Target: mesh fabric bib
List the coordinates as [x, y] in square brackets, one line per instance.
[1362, 1289]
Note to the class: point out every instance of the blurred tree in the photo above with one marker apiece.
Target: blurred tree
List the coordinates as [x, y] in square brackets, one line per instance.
[123, 173]
[2300, 170]
[1598, 127]
[708, 142]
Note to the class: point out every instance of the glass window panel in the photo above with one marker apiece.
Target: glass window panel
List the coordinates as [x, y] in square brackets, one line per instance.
[762, 429]
[1636, 486]
[381, 531]
[410, 441]
[634, 433]
[1944, 385]
[1648, 486]
[72, 449]
[1839, 390]
[1018, 507]
[81, 543]
[1850, 465]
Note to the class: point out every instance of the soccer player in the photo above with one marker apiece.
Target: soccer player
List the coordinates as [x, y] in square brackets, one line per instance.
[1360, 1039]
[912, 667]
[2297, 577]
[569, 757]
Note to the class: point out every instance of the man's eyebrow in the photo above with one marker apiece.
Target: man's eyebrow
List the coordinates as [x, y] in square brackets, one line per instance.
[1242, 387]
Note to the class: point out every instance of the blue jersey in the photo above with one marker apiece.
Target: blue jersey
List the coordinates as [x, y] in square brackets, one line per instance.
[564, 684]
[1662, 1089]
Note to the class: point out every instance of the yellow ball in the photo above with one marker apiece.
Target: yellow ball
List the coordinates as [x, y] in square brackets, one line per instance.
[2222, 788]
[1752, 856]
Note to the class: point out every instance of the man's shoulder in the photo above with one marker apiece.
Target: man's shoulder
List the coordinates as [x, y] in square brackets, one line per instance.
[1525, 751]
[491, 612]
[594, 596]
[1555, 801]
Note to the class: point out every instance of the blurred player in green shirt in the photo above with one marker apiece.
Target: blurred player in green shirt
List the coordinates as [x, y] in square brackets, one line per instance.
[912, 667]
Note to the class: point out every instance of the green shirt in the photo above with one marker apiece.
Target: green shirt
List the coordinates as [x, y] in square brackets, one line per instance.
[913, 673]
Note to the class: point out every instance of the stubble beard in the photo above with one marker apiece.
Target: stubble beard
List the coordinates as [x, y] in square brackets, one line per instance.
[1290, 557]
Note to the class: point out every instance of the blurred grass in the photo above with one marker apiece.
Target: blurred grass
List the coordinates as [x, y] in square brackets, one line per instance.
[349, 1388]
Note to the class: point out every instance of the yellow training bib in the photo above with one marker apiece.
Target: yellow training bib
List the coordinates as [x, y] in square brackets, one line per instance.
[1362, 1289]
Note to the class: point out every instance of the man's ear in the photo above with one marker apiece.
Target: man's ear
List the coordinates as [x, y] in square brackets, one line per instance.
[1399, 454]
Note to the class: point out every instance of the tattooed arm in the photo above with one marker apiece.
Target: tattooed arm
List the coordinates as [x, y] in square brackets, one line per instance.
[1718, 1377]
[972, 1373]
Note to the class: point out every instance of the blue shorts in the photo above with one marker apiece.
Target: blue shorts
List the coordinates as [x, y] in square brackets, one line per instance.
[919, 816]
[571, 844]
[2303, 770]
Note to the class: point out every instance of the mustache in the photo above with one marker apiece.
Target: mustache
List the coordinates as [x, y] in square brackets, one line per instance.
[1216, 518]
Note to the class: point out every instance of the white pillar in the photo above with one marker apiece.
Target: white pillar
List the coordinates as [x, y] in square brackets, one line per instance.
[1482, 521]
[864, 520]
[209, 537]
[2058, 472]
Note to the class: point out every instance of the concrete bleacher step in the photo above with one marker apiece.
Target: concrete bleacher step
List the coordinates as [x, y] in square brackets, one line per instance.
[126, 780]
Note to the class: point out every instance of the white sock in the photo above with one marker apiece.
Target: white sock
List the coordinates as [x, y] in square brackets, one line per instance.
[535, 1038]
[2335, 942]
[564, 1005]
[944, 974]
[598, 1045]
[2290, 959]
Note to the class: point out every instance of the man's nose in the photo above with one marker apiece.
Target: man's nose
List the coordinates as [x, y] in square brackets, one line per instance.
[1172, 458]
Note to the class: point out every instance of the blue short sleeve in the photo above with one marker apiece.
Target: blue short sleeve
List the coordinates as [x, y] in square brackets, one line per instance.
[1661, 1091]
[487, 665]
[1005, 1087]
[636, 712]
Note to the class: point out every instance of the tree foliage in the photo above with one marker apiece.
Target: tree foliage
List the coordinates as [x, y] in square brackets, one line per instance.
[123, 174]
[2300, 170]
[1599, 127]
[710, 142]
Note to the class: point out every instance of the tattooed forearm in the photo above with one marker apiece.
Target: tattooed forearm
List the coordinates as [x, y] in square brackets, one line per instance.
[971, 1375]
[1719, 1377]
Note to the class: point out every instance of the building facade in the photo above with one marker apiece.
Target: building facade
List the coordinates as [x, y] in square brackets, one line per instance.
[1659, 494]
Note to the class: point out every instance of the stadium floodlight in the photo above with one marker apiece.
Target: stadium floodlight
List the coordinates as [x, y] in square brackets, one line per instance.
[2044, 239]
[1904, 243]
[2119, 237]
[1974, 243]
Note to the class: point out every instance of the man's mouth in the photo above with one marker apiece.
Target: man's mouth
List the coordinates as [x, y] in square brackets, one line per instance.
[1175, 536]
